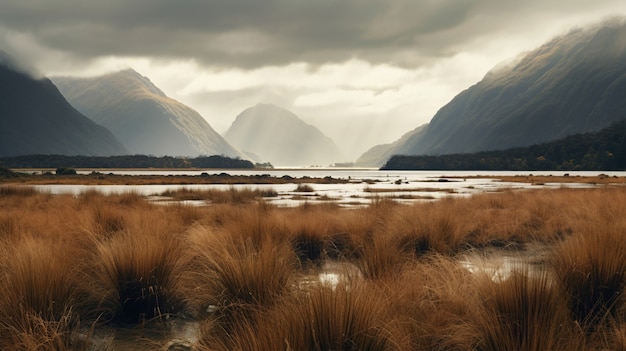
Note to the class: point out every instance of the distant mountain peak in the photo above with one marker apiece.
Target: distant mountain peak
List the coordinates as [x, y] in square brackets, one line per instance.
[278, 136]
[269, 111]
[135, 79]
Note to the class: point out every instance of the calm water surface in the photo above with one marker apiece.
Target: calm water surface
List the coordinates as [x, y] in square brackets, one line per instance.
[364, 185]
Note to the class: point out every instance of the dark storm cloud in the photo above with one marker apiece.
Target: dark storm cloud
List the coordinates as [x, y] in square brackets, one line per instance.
[252, 33]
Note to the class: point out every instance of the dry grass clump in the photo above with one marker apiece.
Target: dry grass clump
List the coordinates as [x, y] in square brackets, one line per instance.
[17, 191]
[434, 300]
[322, 317]
[315, 233]
[342, 317]
[381, 256]
[232, 276]
[133, 277]
[526, 313]
[435, 227]
[41, 281]
[42, 334]
[36, 309]
[256, 224]
[216, 196]
[304, 188]
[591, 267]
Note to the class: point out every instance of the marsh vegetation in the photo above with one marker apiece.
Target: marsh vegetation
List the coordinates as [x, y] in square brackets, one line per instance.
[255, 276]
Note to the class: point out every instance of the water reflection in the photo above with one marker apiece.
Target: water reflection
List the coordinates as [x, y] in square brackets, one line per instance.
[500, 264]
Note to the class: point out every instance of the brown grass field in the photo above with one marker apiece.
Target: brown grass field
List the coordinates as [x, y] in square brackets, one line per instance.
[246, 270]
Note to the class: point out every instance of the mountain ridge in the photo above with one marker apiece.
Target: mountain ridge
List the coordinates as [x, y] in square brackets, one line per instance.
[603, 150]
[143, 117]
[572, 84]
[35, 118]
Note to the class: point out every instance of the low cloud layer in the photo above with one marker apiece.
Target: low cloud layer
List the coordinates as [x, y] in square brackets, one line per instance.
[250, 33]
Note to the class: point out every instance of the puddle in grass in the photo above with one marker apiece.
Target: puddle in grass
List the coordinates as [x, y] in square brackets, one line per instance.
[181, 334]
[499, 263]
[151, 336]
[331, 273]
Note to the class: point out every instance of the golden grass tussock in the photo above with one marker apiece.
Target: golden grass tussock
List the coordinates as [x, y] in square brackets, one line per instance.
[233, 274]
[321, 317]
[16, 191]
[433, 300]
[134, 276]
[42, 334]
[248, 270]
[37, 303]
[429, 228]
[40, 280]
[524, 312]
[381, 256]
[230, 196]
[591, 267]
[316, 233]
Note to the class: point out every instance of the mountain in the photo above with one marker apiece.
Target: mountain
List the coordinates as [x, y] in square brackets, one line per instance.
[142, 117]
[573, 84]
[36, 119]
[603, 150]
[377, 155]
[281, 138]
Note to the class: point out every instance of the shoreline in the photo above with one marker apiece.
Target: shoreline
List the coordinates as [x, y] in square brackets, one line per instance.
[42, 176]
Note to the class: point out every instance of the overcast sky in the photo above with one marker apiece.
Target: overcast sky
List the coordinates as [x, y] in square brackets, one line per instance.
[363, 71]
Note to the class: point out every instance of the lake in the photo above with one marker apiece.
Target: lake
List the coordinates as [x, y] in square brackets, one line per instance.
[364, 186]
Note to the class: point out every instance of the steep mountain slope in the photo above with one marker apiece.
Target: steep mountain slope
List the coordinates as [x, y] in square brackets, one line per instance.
[36, 119]
[573, 84]
[377, 155]
[602, 150]
[142, 117]
[280, 137]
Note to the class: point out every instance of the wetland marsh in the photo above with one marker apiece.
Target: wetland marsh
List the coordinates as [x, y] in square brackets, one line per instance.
[490, 270]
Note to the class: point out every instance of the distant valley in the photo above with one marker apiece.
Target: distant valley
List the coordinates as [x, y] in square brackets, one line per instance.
[572, 84]
[270, 133]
